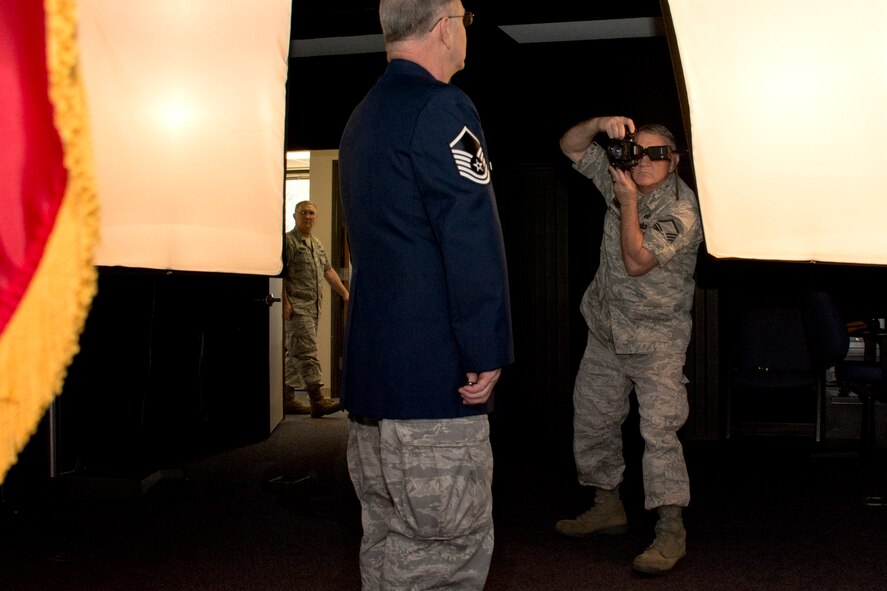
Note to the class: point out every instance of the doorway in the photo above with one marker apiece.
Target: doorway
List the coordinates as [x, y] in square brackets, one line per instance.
[313, 176]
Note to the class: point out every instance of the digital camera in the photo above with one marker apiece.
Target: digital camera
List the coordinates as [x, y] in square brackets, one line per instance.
[624, 153]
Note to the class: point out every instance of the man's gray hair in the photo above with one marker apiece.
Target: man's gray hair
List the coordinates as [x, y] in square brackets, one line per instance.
[659, 130]
[402, 19]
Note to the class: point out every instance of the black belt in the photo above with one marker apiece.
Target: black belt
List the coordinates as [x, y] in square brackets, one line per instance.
[367, 421]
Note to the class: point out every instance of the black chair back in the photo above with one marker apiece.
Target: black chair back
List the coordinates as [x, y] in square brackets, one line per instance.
[827, 336]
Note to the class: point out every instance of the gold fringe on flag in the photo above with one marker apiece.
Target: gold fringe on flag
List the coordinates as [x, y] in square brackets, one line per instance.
[42, 336]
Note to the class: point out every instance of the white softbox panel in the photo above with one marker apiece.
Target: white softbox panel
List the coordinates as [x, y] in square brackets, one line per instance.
[187, 106]
[788, 119]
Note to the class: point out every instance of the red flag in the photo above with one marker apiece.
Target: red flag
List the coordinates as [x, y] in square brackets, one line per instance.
[49, 212]
[32, 176]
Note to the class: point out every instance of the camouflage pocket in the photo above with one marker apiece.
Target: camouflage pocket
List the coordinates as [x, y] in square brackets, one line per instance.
[441, 484]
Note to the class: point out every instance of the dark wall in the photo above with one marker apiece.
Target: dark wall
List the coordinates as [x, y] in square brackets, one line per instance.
[527, 95]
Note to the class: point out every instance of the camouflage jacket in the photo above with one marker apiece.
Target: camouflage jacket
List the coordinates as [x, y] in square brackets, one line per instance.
[306, 262]
[650, 312]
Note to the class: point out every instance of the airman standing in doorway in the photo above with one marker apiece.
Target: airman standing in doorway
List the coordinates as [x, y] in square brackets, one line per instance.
[306, 262]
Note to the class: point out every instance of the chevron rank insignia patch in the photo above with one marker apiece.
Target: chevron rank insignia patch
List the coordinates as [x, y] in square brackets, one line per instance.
[469, 157]
[668, 228]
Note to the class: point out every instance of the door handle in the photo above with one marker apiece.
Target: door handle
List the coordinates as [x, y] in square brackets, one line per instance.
[268, 300]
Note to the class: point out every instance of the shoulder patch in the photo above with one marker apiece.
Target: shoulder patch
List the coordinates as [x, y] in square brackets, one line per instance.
[668, 228]
[469, 157]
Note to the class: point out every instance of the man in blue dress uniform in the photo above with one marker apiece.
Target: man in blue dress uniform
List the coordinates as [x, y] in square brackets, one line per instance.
[429, 324]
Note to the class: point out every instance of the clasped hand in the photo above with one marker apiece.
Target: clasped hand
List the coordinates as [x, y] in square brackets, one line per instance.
[479, 387]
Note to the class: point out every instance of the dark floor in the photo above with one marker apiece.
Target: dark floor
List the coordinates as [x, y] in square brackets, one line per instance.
[280, 514]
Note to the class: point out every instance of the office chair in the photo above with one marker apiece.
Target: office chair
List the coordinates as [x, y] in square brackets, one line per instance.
[783, 350]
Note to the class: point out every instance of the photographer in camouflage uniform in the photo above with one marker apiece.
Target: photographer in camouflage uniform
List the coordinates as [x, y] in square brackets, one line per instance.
[638, 313]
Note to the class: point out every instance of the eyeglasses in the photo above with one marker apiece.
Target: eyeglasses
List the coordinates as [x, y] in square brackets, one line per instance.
[655, 152]
[467, 19]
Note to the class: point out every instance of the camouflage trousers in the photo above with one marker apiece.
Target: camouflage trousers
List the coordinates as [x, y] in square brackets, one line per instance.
[302, 365]
[425, 490]
[601, 405]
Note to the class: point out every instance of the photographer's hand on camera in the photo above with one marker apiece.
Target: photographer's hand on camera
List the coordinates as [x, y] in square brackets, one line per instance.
[624, 187]
[615, 127]
[577, 139]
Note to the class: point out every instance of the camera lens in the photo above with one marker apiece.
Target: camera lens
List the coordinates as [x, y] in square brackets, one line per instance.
[616, 149]
[622, 153]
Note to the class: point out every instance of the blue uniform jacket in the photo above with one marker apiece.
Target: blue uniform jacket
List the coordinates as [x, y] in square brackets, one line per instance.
[429, 290]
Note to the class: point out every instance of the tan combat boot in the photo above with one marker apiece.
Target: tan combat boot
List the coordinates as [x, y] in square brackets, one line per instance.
[669, 546]
[320, 406]
[294, 406]
[606, 517]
